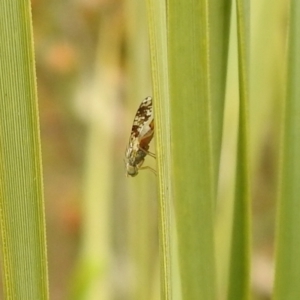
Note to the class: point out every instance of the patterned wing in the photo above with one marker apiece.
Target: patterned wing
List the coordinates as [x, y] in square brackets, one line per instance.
[141, 134]
[143, 120]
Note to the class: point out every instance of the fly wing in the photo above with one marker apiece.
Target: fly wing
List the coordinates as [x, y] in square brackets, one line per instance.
[141, 134]
[146, 137]
[143, 120]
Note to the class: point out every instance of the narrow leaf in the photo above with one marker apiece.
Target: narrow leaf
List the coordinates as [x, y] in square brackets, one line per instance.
[288, 239]
[239, 281]
[157, 12]
[219, 21]
[191, 145]
[21, 193]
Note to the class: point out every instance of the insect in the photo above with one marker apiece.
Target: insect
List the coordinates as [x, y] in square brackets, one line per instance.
[141, 135]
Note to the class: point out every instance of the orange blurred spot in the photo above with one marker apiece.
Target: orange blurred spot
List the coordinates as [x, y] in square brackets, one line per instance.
[62, 58]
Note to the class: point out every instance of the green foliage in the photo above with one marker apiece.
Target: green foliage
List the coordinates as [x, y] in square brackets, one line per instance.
[239, 284]
[186, 164]
[209, 83]
[288, 240]
[191, 145]
[21, 193]
[159, 60]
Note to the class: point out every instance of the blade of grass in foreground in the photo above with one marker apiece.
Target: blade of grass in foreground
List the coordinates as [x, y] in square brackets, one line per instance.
[239, 280]
[219, 21]
[219, 28]
[288, 238]
[142, 200]
[158, 43]
[21, 194]
[191, 148]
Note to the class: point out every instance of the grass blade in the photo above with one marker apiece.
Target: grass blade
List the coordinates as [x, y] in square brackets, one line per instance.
[21, 193]
[157, 12]
[288, 241]
[142, 214]
[219, 20]
[239, 281]
[191, 147]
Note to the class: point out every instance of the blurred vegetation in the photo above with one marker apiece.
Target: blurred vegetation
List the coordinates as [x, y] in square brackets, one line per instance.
[93, 70]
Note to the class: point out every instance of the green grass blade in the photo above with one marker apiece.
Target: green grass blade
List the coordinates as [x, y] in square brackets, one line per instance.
[142, 200]
[219, 25]
[157, 13]
[21, 193]
[239, 281]
[191, 145]
[288, 239]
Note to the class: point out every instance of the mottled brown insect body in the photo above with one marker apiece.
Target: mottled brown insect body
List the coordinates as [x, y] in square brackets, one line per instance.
[141, 135]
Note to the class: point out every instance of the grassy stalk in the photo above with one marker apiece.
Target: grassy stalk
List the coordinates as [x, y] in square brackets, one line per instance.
[21, 192]
[226, 186]
[288, 240]
[143, 246]
[157, 16]
[219, 21]
[239, 281]
[191, 145]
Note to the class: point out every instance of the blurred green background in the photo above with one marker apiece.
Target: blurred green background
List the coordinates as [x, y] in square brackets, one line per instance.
[93, 70]
[87, 60]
